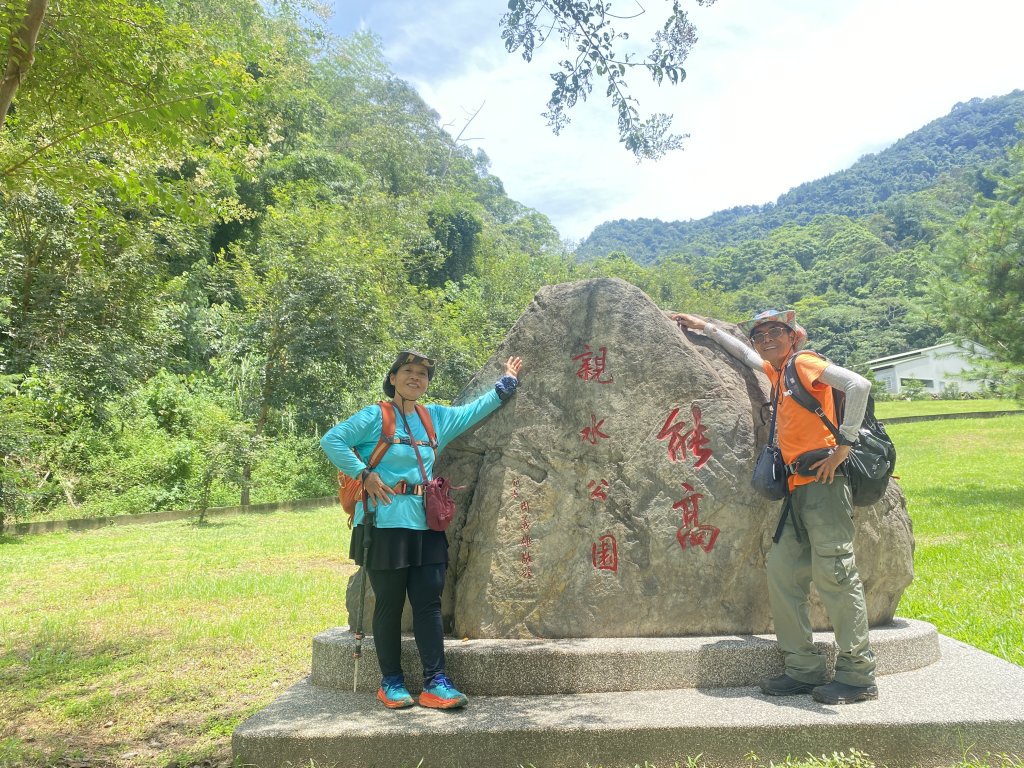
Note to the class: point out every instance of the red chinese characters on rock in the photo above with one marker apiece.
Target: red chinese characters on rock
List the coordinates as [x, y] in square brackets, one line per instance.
[593, 433]
[691, 531]
[693, 440]
[605, 554]
[592, 367]
[526, 540]
[527, 564]
[598, 490]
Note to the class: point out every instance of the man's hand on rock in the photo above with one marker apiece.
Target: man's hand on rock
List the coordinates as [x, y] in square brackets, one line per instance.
[691, 322]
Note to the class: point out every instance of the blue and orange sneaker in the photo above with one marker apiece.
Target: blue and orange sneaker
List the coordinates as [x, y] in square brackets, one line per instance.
[392, 693]
[439, 693]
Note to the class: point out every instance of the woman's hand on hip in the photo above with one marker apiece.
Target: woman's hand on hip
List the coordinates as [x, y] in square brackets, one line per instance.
[377, 492]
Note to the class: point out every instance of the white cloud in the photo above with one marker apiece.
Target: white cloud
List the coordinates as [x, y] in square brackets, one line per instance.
[777, 94]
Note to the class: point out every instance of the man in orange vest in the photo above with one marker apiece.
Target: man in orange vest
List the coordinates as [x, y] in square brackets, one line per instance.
[816, 543]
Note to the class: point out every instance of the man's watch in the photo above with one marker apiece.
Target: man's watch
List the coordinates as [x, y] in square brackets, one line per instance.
[841, 439]
[364, 474]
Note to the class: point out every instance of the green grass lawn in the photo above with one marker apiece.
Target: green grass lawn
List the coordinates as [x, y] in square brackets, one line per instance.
[146, 645]
[142, 645]
[964, 482]
[891, 409]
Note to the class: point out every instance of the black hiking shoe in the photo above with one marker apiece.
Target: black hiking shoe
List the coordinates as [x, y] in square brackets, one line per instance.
[841, 693]
[784, 685]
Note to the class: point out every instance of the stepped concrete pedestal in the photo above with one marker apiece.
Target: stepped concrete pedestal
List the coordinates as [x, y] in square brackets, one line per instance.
[617, 702]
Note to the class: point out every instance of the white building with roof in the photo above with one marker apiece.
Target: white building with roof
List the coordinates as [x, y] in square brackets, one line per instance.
[938, 367]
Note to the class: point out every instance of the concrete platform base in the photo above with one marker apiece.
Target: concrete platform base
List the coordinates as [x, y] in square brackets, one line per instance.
[602, 664]
[966, 702]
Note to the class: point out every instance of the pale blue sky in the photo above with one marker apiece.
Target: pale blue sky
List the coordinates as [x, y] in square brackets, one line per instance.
[778, 92]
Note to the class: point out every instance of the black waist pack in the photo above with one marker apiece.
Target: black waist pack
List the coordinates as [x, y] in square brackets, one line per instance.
[804, 462]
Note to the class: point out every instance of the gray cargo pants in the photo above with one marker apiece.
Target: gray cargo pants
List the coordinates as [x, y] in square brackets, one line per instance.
[817, 545]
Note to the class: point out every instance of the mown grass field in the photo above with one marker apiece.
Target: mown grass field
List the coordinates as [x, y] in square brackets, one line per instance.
[964, 482]
[891, 409]
[146, 645]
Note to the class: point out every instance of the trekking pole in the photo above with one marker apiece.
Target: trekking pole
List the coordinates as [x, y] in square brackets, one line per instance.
[357, 653]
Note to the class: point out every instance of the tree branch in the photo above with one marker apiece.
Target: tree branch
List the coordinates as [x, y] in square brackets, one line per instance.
[78, 131]
[20, 54]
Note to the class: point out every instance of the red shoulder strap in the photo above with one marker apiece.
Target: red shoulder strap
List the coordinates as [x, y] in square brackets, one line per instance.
[387, 434]
[424, 415]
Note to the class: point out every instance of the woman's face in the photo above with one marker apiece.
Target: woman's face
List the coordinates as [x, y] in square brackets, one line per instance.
[410, 381]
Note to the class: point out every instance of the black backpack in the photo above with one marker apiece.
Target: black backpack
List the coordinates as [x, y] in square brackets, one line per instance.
[872, 458]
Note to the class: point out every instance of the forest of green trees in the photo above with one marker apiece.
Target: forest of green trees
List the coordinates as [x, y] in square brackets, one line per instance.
[218, 224]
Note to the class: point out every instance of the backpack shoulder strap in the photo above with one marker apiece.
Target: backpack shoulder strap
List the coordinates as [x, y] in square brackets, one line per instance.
[795, 389]
[428, 424]
[387, 434]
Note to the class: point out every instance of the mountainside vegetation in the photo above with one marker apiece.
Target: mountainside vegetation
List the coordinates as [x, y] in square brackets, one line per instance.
[894, 253]
[947, 157]
[219, 224]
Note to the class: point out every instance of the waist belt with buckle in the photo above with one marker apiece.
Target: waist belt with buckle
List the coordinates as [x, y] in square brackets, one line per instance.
[408, 489]
[795, 469]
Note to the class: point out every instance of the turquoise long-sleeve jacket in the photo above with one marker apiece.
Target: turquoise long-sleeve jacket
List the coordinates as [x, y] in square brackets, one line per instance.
[362, 431]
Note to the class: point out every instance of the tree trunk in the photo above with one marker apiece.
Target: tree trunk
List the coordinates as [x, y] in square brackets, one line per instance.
[246, 481]
[20, 48]
[261, 422]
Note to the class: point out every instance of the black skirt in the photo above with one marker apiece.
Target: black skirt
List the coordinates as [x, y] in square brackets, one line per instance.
[393, 548]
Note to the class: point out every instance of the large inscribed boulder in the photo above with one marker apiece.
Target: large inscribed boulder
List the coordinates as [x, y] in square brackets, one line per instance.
[611, 495]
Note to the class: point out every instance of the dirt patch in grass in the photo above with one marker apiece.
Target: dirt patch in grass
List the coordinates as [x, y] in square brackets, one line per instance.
[177, 712]
[187, 731]
[171, 743]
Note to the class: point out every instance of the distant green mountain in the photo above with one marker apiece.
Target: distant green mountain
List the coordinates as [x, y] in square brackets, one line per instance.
[945, 153]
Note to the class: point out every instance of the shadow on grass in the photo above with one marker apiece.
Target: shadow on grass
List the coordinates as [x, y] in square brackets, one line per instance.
[59, 655]
[6, 539]
[211, 525]
[972, 496]
[60, 683]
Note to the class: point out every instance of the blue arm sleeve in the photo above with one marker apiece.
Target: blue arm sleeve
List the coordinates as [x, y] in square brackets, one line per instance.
[450, 422]
[356, 432]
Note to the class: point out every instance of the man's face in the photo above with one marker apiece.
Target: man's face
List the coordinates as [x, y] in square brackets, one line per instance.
[773, 342]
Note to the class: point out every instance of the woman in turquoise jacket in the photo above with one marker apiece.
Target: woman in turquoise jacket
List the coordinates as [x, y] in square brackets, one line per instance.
[406, 557]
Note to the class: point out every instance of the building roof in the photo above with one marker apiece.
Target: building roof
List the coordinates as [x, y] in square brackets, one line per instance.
[966, 346]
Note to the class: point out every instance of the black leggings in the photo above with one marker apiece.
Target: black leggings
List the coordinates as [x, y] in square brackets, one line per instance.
[423, 584]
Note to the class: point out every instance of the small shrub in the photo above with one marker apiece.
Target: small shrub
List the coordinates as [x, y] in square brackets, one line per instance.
[950, 391]
[913, 389]
[292, 467]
